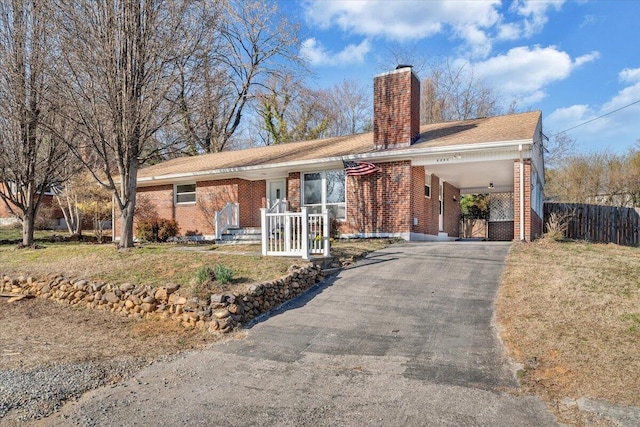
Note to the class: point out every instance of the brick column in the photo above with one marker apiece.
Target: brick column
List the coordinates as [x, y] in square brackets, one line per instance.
[527, 200]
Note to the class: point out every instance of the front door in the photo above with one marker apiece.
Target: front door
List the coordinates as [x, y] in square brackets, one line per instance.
[276, 190]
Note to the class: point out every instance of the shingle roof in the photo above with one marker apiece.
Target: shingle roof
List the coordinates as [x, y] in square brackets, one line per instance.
[513, 127]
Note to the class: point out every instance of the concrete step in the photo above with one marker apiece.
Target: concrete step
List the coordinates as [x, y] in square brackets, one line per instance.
[242, 236]
[248, 231]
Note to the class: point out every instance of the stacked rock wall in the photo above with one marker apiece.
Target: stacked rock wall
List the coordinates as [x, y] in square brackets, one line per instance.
[221, 313]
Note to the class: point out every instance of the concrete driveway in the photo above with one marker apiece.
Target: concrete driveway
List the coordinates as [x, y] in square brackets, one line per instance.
[404, 338]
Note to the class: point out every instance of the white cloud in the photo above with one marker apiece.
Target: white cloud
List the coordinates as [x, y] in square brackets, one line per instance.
[477, 23]
[534, 13]
[616, 127]
[630, 75]
[508, 31]
[407, 20]
[584, 59]
[317, 54]
[524, 72]
[480, 44]
[564, 118]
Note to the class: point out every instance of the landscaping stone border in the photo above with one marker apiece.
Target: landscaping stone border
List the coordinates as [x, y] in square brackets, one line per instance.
[221, 313]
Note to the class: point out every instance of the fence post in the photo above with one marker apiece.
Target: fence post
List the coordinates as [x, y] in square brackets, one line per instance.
[287, 233]
[265, 230]
[325, 233]
[305, 233]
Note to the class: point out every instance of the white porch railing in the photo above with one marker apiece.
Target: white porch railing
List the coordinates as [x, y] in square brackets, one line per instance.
[226, 218]
[280, 206]
[295, 233]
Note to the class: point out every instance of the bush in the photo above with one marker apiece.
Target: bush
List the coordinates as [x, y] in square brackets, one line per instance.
[223, 274]
[204, 274]
[556, 226]
[157, 230]
[220, 273]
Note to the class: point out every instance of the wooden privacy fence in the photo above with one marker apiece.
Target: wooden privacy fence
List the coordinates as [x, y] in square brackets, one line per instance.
[595, 223]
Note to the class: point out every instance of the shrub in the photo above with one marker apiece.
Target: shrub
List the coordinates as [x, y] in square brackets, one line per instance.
[204, 274]
[557, 226]
[157, 230]
[223, 274]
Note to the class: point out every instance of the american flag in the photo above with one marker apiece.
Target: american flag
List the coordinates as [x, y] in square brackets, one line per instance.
[359, 168]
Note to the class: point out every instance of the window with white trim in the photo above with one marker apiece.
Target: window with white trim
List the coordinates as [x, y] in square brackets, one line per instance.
[427, 186]
[325, 190]
[185, 193]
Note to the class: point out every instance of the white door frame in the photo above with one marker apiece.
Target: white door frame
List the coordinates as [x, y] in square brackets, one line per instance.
[279, 184]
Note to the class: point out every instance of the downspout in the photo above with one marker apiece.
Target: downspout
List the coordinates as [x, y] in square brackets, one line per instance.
[521, 195]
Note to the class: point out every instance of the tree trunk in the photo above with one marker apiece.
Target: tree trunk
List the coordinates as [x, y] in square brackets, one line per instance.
[126, 228]
[128, 208]
[28, 226]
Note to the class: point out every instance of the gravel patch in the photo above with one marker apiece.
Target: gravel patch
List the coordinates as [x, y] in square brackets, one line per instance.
[37, 393]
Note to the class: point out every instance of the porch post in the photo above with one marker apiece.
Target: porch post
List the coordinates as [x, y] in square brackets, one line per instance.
[325, 233]
[305, 233]
[217, 223]
[265, 230]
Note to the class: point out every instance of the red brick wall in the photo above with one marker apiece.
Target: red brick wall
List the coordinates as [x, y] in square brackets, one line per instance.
[427, 209]
[252, 196]
[396, 109]
[293, 192]
[418, 200]
[433, 207]
[381, 202]
[451, 220]
[501, 231]
[527, 200]
[211, 196]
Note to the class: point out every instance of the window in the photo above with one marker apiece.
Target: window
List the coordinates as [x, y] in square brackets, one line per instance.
[325, 190]
[185, 193]
[427, 186]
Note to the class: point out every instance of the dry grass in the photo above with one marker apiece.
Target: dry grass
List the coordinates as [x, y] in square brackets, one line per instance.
[352, 249]
[36, 332]
[159, 264]
[152, 264]
[570, 314]
[40, 332]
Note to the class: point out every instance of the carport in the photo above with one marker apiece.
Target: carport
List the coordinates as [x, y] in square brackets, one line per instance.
[511, 172]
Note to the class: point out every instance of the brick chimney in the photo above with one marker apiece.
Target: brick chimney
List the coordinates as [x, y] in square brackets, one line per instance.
[396, 108]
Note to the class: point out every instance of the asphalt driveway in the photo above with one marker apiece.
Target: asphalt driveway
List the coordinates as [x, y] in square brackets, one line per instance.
[404, 338]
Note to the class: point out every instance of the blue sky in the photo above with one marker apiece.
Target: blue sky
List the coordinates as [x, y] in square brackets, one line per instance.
[573, 59]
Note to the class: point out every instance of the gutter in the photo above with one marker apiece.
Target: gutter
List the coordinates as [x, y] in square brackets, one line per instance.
[379, 155]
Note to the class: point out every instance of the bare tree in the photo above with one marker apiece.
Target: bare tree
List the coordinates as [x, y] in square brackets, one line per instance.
[557, 148]
[119, 61]
[290, 111]
[250, 43]
[597, 178]
[80, 198]
[30, 154]
[351, 104]
[452, 92]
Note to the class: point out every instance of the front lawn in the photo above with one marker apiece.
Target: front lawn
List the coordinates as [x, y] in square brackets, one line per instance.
[570, 315]
[159, 264]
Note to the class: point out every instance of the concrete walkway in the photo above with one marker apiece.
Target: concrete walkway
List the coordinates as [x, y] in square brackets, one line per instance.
[404, 338]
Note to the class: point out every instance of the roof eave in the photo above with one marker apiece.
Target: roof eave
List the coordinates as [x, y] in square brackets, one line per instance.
[388, 155]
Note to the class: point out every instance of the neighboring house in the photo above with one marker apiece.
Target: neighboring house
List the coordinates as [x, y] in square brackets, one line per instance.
[414, 193]
[49, 215]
